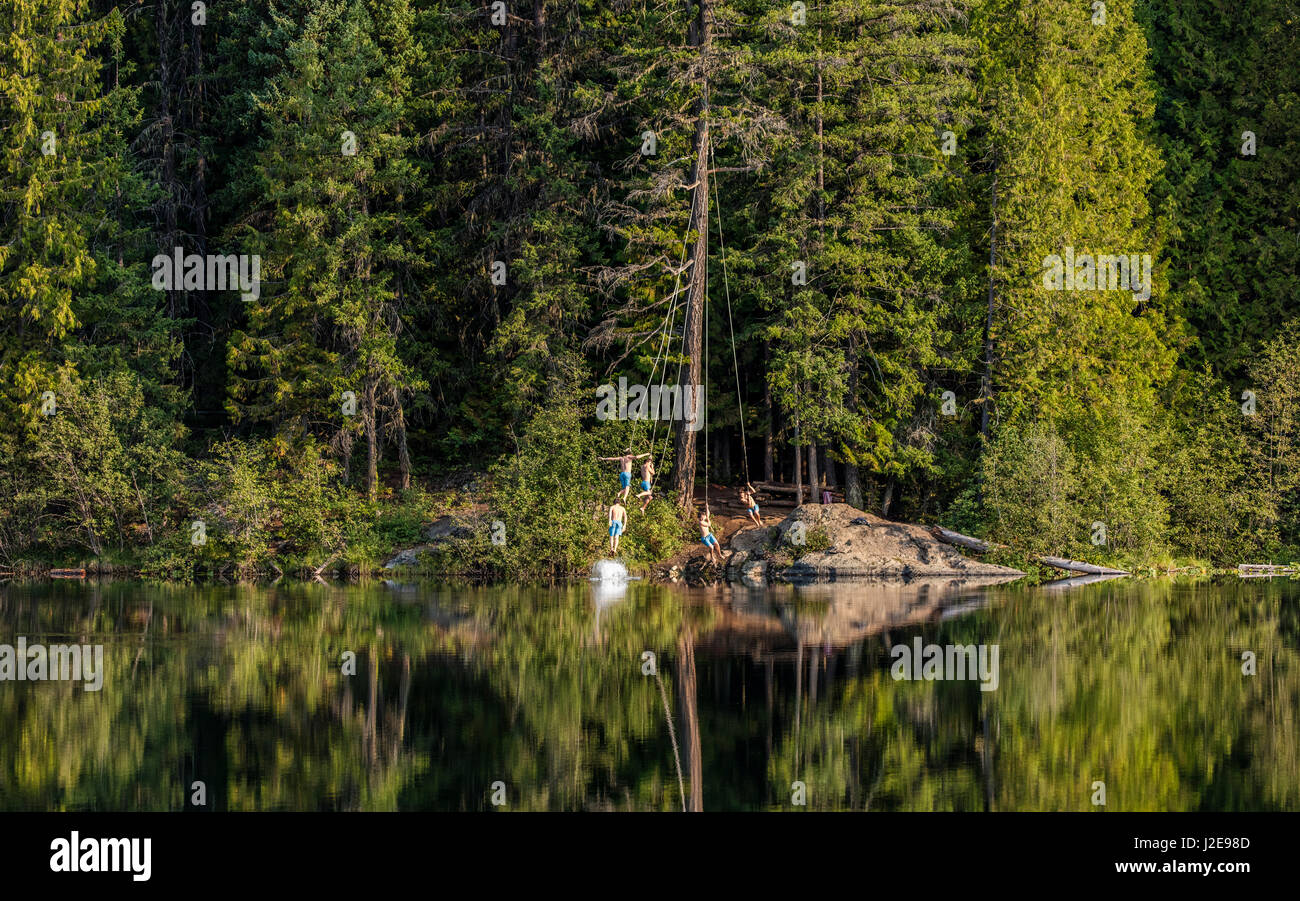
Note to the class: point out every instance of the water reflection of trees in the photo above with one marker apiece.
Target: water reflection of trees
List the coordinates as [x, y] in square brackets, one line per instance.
[458, 688]
[1140, 687]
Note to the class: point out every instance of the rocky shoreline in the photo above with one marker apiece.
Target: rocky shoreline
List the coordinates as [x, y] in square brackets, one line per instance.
[834, 542]
[814, 543]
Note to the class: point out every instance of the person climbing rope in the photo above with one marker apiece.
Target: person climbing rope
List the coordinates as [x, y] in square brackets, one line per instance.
[625, 470]
[706, 536]
[617, 523]
[750, 500]
[647, 481]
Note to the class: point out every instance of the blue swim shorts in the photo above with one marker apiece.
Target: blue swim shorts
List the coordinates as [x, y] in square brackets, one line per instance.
[615, 528]
[624, 479]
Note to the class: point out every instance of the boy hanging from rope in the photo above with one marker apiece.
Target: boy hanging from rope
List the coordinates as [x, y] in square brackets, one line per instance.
[706, 536]
[625, 470]
[647, 480]
[750, 500]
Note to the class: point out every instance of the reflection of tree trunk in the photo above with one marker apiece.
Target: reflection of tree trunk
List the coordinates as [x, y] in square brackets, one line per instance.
[771, 699]
[690, 718]
[368, 734]
[399, 734]
[987, 766]
[798, 696]
[211, 761]
[812, 678]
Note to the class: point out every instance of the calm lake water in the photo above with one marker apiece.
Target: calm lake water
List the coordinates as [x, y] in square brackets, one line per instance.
[387, 696]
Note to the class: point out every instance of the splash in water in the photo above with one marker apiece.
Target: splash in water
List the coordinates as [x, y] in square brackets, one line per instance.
[609, 571]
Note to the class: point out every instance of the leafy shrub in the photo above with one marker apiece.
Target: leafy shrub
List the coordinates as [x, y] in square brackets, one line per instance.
[553, 495]
[103, 468]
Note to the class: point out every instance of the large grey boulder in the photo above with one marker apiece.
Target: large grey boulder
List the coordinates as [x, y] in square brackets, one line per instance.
[441, 531]
[444, 528]
[835, 541]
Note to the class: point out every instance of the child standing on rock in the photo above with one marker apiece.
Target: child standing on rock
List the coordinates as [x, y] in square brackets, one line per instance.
[751, 504]
[706, 536]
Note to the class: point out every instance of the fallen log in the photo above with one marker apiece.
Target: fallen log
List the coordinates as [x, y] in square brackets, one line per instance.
[960, 540]
[983, 547]
[67, 574]
[1255, 570]
[786, 488]
[1078, 566]
[320, 569]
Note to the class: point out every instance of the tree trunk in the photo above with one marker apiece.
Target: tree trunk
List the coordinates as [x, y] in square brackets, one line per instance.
[345, 451]
[403, 451]
[813, 474]
[798, 466]
[699, 35]
[372, 439]
[768, 462]
[852, 482]
[889, 498]
[852, 486]
[986, 401]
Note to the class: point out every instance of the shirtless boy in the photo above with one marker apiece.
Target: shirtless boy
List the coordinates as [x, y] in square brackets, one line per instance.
[625, 470]
[647, 480]
[617, 523]
[706, 536]
[748, 498]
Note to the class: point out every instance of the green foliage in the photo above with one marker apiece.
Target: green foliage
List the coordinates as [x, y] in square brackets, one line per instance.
[1030, 480]
[104, 466]
[341, 243]
[920, 160]
[265, 504]
[1274, 374]
[1215, 512]
[815, 541]
[553, 497]
[1229, 216]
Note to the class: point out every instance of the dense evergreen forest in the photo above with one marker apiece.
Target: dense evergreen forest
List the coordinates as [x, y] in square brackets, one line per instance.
[1020, 267]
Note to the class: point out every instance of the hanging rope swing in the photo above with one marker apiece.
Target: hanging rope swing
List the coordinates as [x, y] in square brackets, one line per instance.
[726, 288]
[667, 330]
